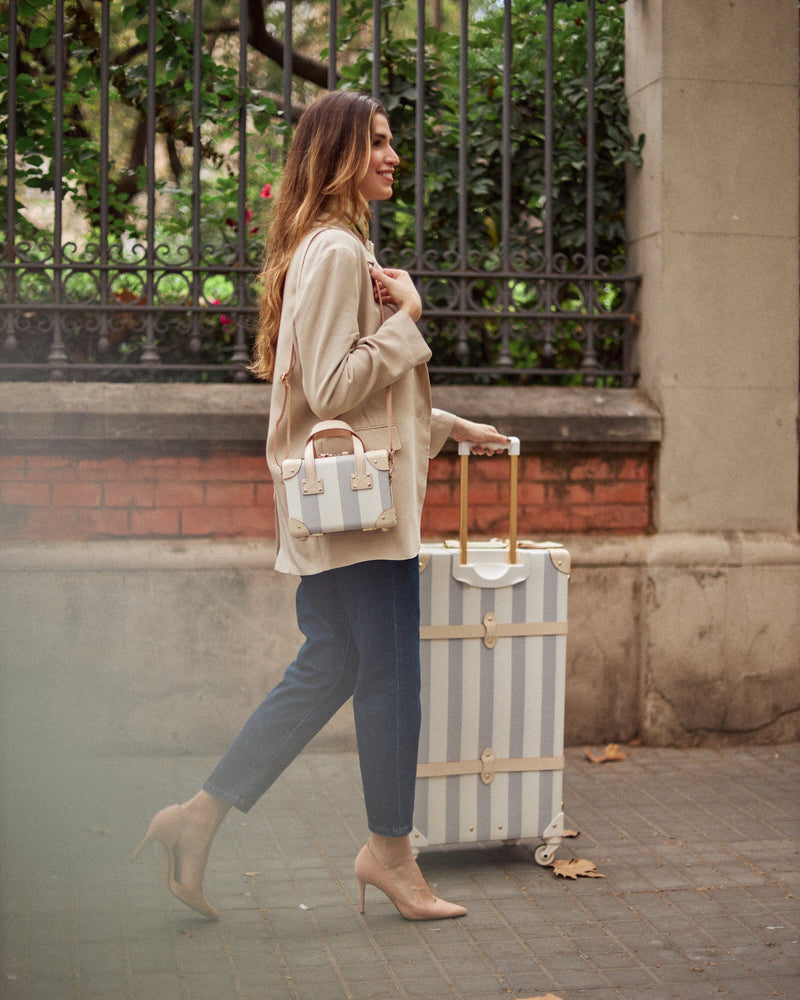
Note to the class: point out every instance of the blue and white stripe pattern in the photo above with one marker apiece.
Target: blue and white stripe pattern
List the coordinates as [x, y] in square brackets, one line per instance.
[509, 698]
[339, 507]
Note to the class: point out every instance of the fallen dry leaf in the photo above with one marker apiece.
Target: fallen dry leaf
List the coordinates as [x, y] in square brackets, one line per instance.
[573, 867]
[612, 752]
[571, 833]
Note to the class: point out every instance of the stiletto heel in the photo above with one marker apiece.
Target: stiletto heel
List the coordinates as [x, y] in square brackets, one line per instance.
[362, 886]
[166, 827]
[408, 891]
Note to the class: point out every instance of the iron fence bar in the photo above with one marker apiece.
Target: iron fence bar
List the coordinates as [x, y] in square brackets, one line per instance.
[288, 65]
[241, 355]
[160, 309]
[590, 133]
[462, 348]
[150, 354]
[589, 363]
[375, 221]
[88, 267]
[376, 48]
[58, 356]
[103, 343]
[10, 341]
[419, 141]
[165, 368]
[504, 359]
[514, 374]
[532, 274]
[333, 42]
[157, 309]
[76, 367]
[609, 319]
[548, 349]
[197, 82]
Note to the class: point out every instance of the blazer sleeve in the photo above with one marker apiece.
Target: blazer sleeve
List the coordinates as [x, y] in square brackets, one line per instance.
[441, 425]
[343, 364]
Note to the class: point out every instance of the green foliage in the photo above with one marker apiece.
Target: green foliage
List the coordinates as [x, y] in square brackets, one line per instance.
[221, 293]
[561, 343]
[226, 213]
[217, 118]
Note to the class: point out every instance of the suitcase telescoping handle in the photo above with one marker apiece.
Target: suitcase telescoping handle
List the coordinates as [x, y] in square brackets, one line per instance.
[512, 447]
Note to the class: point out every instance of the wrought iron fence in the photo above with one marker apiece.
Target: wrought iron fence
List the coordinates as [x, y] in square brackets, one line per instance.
[109, 271]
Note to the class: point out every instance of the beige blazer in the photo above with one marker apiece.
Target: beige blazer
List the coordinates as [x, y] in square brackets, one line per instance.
[344, 359]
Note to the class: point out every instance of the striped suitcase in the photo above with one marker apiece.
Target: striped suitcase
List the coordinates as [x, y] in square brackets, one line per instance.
[493, 650]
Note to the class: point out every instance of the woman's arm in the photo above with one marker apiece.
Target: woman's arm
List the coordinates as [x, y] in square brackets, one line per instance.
[340, 367]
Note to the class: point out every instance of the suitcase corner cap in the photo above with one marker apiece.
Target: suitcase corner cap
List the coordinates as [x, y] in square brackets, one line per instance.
[560, 558]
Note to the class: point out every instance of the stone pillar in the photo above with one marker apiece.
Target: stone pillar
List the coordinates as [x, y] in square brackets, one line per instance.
[713, 219]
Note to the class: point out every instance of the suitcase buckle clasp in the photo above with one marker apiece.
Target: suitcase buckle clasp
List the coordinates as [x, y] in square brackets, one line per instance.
[488, 758]
[490, 630]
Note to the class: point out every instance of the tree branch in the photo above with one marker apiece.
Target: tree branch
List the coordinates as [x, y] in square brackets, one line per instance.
[267, 44]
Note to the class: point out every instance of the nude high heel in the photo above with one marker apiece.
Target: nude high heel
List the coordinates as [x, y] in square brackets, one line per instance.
[166, 827]
[408, 890]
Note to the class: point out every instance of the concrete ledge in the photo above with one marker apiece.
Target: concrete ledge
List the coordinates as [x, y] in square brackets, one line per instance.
[88, 416]
[549, 415]
[686, 549]
[137, 556]
[731, 549]
[85, 416]
[157, 646]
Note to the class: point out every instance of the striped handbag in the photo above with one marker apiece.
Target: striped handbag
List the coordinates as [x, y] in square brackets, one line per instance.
[348, 490]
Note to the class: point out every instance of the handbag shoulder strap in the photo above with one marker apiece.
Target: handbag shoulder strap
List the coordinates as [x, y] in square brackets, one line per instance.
[286, 409]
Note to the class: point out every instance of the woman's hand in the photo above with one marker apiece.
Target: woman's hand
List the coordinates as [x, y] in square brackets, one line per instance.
[485, 438]
[396, 287]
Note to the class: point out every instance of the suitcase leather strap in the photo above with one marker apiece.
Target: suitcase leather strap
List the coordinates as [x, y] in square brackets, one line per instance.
[490, 630]
[488, 766]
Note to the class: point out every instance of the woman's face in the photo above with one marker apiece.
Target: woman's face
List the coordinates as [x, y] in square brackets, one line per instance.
[376, 185]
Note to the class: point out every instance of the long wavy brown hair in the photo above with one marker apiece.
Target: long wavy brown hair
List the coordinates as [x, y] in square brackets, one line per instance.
[327, 161]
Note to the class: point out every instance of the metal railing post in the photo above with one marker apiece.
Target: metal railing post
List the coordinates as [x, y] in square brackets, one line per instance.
[58, 355]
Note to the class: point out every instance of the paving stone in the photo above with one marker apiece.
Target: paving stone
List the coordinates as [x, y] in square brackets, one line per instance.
[700, 848]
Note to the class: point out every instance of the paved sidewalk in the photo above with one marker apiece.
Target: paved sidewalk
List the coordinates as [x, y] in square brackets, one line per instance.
[700, 899]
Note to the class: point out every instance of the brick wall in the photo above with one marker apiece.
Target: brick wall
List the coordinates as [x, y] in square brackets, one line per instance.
[560, 492]
[73, 498]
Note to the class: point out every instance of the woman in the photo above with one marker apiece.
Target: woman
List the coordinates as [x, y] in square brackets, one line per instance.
[321, 329]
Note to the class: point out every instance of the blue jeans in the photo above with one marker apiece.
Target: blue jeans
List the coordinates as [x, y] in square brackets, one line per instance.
[361, 624]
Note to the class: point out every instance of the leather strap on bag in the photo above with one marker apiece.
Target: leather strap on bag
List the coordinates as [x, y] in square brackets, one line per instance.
[286, 409]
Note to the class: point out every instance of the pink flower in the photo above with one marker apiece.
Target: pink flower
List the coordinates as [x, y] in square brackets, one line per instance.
[248, 215]
[223, 319]
[266, 191]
